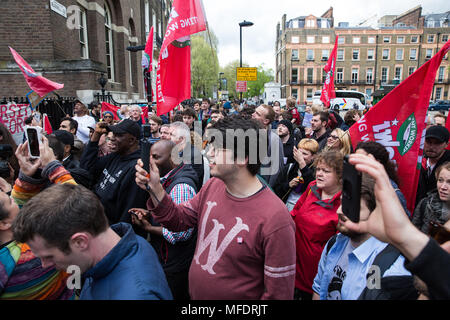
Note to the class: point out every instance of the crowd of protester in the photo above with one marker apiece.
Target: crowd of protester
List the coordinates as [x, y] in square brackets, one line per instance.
[210, 220]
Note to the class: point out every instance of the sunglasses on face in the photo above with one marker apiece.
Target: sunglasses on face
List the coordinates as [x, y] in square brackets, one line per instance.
[107, 117]
[334, 137]
[438, 232]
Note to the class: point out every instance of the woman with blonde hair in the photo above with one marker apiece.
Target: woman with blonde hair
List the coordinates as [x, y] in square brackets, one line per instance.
[339, 140]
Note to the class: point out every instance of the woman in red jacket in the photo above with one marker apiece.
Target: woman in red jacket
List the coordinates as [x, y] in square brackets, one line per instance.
[316, 219]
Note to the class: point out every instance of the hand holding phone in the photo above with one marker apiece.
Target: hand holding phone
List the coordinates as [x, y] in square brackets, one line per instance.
[351, 191]
[33, 135]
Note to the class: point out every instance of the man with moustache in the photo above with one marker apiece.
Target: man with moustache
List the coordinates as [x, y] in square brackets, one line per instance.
[345, 267]
[435, 154]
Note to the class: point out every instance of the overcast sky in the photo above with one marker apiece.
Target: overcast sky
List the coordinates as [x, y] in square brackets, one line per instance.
[258, 41]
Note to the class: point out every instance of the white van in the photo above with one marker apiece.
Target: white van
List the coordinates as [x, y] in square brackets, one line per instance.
[345, 100]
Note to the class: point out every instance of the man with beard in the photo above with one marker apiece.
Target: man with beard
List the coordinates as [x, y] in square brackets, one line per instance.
[435, 154]
[320, 132]
[353, 263]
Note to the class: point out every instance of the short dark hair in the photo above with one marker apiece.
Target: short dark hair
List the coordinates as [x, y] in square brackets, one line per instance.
[380, 154]
[323, 116]
[157, 119]
[215, 111]
[73, 124]
[3, 213]
[57, 213]
[188, 111]
[206, 100]
[367, 191]
[237, 122]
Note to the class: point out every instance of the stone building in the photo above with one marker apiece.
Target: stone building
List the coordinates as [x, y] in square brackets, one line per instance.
[76, 41]
[368, 58]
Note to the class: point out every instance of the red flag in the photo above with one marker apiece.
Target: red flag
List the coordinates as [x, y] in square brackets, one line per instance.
[398, 123]
[447, 125]
[46, 124]
[173, 78]
[115, 110]
[39, 84]
[328, 92]
[147, 56]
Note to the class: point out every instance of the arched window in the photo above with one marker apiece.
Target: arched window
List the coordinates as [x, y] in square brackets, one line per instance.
[109, 44]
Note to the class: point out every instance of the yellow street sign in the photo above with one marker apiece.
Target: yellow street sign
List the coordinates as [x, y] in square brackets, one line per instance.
[246, 74]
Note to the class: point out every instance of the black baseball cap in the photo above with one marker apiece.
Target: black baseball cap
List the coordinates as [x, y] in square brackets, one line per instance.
[126, 126]
[64, 136]
[438, 132]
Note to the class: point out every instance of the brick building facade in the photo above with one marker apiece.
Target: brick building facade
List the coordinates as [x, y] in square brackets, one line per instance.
[368, 58]
[76, 41]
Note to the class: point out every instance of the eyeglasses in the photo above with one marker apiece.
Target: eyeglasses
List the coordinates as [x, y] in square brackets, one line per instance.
[438, 232]
[334, 137]
[107, 117]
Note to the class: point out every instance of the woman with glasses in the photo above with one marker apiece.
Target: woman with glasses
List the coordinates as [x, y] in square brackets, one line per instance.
[108, 117]
[340, 141]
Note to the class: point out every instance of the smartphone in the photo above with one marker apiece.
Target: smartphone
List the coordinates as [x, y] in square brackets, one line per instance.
[33, 135]
[351, 191]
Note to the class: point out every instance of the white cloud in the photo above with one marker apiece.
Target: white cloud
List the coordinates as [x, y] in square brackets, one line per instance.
[258, 41]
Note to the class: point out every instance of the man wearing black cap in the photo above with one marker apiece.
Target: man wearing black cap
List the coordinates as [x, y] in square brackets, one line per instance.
[435, 154]
[114, 173]
[284, 131]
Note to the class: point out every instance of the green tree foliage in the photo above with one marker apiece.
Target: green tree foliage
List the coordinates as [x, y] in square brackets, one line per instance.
[204, 65]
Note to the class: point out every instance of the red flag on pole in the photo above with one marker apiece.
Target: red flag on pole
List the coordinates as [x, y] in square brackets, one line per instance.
[328, 92]
[46, 124]
[398, 123]
[147, 56]
[173, 77]
[38, 84]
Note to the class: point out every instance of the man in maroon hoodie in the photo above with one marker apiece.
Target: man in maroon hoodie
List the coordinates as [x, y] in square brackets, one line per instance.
[246, 237]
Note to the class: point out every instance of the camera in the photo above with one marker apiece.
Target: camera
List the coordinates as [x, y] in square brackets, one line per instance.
[351, 191]
[6, 151]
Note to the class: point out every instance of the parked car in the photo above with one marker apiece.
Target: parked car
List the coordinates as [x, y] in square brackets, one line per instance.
[439, 105]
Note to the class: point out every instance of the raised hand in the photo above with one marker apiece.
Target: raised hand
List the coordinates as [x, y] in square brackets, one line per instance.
[27, 165]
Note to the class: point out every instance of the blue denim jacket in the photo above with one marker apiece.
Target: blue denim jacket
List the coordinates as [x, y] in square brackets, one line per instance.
[359, 262]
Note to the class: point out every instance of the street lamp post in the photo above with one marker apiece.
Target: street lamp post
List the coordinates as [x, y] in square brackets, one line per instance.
[242, 24]
[102, 81]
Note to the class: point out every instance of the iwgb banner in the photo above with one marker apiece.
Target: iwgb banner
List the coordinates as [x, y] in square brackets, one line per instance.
[13, 117]
[398, 123]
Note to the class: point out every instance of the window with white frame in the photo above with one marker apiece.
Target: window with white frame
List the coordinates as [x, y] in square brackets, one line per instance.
[355, 54]
[341, 40]
[356, 40]
[310, 39]
[398, 73]
[384, 74]
[444, 38]
[340, 54]
[294, 93]
[441, 74]
[369, 76]
[369, 92]
[438, 93]
[309, 75]
[310, 23]
[399, 54]
[385, 54]
[294, 55]
[412, 54]
[355, 75]
[295, 39]
[325, 54]
[428, 53]
[325, 39]
[84, 49]
[370, 54]
[339, 75]
[400, 39]
[147, 18]
[294, 78]
[386, 39]
[411, 70]
[309, 94]
[309, 54]
[371, 40]
[109, 44]
[414, 39]
[430, 38]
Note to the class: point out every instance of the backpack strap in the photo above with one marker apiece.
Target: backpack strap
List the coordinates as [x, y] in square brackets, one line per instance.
[331, 243]
[386, 258]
